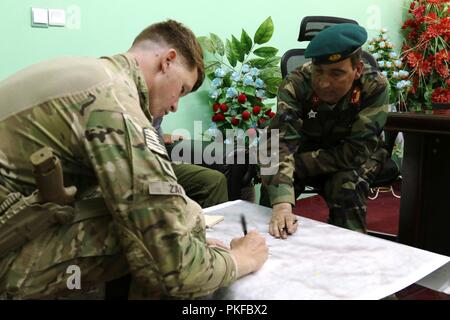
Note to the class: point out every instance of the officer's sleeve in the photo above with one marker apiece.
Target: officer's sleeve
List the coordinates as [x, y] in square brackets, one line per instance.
[280, 181]
[149, 210]
[363, 141]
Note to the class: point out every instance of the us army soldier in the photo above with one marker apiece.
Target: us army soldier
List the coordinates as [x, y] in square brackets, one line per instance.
[96, 115]
[331, 113]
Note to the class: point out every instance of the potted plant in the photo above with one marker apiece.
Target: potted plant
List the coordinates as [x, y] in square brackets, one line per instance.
[425, 53]
[244, 77]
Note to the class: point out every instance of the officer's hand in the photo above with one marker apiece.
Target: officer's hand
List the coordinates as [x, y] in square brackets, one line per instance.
[250, 252]
[216, 243]
[283, 222]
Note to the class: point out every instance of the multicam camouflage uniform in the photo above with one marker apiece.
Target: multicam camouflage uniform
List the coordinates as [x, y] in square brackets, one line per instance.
[94, 114]
[337, 148]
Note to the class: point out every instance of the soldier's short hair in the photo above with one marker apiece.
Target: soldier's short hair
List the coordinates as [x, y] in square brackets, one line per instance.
[181, 39]
[356, 57]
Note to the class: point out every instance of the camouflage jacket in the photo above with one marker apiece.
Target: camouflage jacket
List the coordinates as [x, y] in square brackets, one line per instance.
[317, 139]
[94, 114]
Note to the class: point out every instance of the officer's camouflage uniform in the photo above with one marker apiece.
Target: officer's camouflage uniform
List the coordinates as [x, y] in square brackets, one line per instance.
[94, 114]
[338, 149]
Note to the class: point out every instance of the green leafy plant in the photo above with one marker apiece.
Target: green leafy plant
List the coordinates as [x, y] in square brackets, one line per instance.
[244, 75]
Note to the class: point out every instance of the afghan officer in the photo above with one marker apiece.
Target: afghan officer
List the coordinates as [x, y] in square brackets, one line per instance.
[96, 115]
[331, 113]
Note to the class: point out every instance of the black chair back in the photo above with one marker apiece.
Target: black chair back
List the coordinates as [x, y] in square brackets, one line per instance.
[312, 25]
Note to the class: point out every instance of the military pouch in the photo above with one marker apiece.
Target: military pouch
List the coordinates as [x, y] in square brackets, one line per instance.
[23, 219]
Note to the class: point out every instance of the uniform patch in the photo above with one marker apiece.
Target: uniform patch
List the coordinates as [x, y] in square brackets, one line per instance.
[153, 143]
[165, 189]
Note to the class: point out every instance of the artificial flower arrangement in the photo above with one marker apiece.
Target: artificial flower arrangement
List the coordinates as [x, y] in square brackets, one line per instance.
[244, 77]
[391, 66]
[426, 52]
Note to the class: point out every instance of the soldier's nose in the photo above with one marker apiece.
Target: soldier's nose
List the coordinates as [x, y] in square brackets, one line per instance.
[174, 107]
[324, 84]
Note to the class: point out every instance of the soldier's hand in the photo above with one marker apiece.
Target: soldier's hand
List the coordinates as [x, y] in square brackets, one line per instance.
[216, 243]
[250, 252]
[169, 139]
[284, 222]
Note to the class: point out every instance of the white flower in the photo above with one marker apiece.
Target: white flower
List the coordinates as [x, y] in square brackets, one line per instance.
[400, 85]
[403, 74]
[384, 73]
[382, 44]
[371, 48]
[395, 75]
[384, 30]
[398, 63]
[220, 73]
[381, 64]
[392, 54]
[389, 64]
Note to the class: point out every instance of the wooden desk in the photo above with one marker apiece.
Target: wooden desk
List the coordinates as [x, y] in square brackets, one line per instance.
[425, 202]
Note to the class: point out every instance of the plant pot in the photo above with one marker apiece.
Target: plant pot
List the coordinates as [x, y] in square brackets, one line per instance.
[441, 108]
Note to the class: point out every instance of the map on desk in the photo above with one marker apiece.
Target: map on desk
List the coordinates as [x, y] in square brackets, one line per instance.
[321, 261]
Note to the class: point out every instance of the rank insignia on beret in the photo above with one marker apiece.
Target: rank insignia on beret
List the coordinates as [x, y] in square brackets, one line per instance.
[335, 57]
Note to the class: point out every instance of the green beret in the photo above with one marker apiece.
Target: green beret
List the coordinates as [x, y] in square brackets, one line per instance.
[336, 43]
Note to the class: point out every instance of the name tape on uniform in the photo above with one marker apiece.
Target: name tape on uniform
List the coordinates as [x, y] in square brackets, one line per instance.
[165, 189]
[153, 143]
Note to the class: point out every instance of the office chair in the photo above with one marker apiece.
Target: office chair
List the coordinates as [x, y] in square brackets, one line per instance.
[309, 27]
[294, 58]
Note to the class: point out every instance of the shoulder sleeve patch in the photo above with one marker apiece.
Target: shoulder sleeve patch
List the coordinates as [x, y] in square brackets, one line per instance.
[153, 143]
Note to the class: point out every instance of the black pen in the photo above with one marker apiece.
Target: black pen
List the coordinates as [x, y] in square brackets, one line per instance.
[244, 224]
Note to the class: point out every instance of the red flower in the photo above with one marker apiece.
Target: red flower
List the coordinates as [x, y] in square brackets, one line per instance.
[245, 115]
[414, 59]
[242, 98]
[218, 117]
[261, 121]
[268, 112]
[216, 107]
[235, 122]
[224, 107]
[418, 12]
[272, 115]
[256, 110]
[443, 70]
[441, 95]
[424, 68]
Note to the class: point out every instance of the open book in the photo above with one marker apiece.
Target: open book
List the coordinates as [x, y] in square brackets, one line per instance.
[210, 221]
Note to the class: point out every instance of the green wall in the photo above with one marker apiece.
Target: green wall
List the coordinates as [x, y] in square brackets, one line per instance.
[106, 27]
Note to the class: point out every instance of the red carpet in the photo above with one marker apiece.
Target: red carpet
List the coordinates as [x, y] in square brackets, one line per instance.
[382, 213]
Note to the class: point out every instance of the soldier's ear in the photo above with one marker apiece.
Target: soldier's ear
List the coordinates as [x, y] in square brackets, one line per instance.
[359, 69]
[168, 58]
